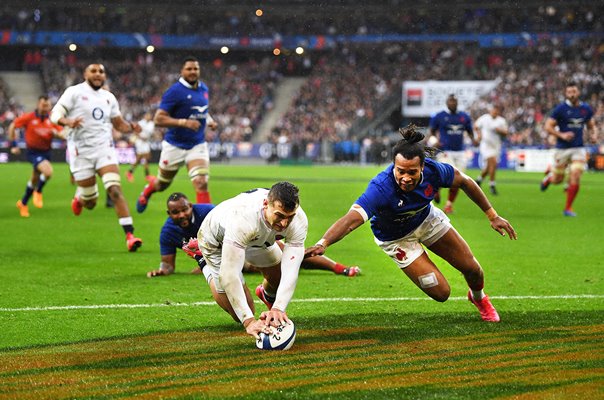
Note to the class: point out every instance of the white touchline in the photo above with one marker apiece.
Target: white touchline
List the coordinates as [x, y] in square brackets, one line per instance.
[316, 300]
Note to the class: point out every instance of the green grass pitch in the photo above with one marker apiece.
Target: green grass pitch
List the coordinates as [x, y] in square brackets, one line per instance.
[79, 318]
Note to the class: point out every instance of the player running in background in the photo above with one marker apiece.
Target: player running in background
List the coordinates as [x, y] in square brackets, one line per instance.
[39, 131]
[184, 109]
[183, 223]
[449, 126]
[490, 128]
[566, 123]
[92, 113]
[397, 202]
[142, 148]
[244, 229]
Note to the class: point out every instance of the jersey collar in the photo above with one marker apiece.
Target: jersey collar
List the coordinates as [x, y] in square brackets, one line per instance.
[185, 83]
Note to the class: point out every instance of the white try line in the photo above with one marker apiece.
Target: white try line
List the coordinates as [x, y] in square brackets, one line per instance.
[316, 300]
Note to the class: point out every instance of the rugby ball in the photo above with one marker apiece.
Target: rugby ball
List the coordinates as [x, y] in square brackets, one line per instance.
[281, 338]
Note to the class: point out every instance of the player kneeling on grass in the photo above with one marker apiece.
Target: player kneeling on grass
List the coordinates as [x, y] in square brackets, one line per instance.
[397, 202]
[246, 228]
[183, 223]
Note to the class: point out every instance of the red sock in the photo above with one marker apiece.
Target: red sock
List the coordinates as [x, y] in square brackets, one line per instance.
[571, 193]
[338, 268]
[148, 190]
[452, 194]
[203, 197]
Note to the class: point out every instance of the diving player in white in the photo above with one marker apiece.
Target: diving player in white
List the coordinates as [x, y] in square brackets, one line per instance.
[92, 113]
[245, 228]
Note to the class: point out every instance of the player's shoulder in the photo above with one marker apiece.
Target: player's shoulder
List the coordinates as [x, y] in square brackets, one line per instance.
[25, 117]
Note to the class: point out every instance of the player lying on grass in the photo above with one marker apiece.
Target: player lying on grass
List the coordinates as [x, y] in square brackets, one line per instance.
[397, 202]
[183, 223]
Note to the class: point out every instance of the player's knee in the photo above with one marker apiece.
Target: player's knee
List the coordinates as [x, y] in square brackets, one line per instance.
[164, 180]
[111, 180]
[440, 293]
[114, 192]
[88, 196]
[435, 287]
[199, 176]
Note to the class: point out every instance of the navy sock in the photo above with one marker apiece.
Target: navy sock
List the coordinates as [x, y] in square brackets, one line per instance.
[29, 190]
[41, 184]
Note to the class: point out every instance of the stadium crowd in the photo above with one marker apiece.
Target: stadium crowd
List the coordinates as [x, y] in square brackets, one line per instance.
[387, 18]
[351, 84]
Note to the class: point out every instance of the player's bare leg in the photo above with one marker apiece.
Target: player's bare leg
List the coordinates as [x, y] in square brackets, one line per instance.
[426, 276]
[43, 174]
[491, 170]
[198, 172]
[111, 179]
[576, 170]
[455, 250]
[267, 290]
[159, 184]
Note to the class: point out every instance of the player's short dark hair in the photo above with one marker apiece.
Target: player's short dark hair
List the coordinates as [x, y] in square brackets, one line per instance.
[176, 196]
[411, 145]
[286, 193]
[43, 97]
[571, 83]
[189, 59]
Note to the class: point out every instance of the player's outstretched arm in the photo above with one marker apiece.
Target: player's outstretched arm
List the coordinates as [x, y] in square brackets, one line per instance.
[342, 227]
[475, 193]
[166, 266]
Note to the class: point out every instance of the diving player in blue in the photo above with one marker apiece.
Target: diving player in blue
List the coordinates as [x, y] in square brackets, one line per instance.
[570, 117]
[184, 109]
[183, 223]
[397, 203]
[449, 126]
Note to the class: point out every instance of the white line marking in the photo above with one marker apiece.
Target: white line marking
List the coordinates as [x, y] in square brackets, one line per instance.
[316, 300]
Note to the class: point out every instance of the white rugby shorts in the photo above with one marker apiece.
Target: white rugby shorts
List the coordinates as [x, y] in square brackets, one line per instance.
[85, 166]
[407, 249]
[173, 157]
[455, 158]
[260, 257]
[563, 157]
[489, 151]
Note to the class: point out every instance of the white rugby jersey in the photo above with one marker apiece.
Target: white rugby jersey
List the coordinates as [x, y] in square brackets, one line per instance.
[240, 223]
[147, 129]
[97, 108]
[487, 125]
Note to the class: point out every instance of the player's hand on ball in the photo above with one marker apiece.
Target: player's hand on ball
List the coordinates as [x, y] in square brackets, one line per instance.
[255, 327]
[274, 317]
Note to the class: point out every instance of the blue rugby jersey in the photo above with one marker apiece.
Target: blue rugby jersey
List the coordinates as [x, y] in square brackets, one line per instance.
[183, 101]
[393, 213]
[451, 128]
[571, 119]
[173, 236]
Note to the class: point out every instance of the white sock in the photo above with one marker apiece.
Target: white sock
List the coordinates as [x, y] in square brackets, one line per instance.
[477, 294]
[492, 183]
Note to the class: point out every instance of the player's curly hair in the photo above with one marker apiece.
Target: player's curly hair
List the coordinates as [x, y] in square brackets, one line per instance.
[286, 193]
[411, 145]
